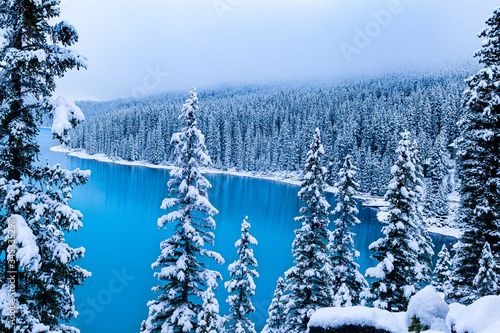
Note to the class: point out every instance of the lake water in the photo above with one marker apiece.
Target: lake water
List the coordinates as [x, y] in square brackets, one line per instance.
[121, 205]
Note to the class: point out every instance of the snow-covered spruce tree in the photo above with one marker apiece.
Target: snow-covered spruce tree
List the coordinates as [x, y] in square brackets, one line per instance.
[33, 54]
[436, 198]
[184, 275]
[342, 253]
[479, 163]
[426, 250]
[441, 277]
[277, 310]
[310, 279]
[486, 281]
[343, 297]
[209, 320]
[399, 272]
[241, 286]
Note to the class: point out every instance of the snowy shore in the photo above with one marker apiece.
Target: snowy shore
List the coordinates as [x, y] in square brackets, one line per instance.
[292, 178]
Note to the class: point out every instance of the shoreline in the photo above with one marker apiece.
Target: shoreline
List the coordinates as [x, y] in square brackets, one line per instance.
[292, 178]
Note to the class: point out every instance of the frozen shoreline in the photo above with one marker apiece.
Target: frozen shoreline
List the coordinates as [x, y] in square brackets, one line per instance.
[287, 178]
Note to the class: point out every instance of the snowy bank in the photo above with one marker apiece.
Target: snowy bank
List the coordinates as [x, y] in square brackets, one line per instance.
[427, 312]
[482, 316]
[330, 318]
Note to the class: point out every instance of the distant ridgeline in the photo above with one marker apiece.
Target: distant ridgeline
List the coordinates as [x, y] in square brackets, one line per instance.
[268, 128]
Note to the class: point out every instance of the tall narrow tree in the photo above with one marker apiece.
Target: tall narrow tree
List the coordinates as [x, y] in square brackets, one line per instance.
[209, 320]
[399, 272]
[342, 253]
[277, 310]
[181, 262]
[426, 250]
[441, 276]
[33, 54]
[309, 280]
[436, 199]
[479, 162]
[241, 286]
[486, 282]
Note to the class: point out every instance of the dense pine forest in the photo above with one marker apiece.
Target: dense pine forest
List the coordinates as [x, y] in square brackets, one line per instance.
[268, 128]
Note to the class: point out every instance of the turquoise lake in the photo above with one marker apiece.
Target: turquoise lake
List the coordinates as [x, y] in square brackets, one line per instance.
[121, 205]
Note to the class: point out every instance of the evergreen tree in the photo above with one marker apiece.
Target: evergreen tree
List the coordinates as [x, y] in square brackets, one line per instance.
[479, 162]
[486, 282]
[343, 297]
[399, 271]
[346, 273]
[436, 198]
[33, 54]
[426, 250]
[309, 280]
[209, 320]
[249, 148]
[182, 270]
[227, 144]
[441, 277]
[277, 310]
[241, 286]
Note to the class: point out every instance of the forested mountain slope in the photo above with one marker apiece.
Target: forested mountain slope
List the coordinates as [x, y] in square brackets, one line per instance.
[267, 128]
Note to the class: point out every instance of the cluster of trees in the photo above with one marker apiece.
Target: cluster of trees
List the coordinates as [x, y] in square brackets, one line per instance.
[324, 272]
[478, 253]
[37, 270]
[267, 128]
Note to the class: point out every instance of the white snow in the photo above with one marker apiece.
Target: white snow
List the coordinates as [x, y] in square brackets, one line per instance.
[359, 315]
[27, 251]
[65, 112]
[428, 306]
[482, 316]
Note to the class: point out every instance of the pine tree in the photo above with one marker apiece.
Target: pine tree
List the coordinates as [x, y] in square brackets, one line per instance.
[34, 53]
[436, 199]
[346, 273]
[309, 280]
[399, 271]
[479, 163]
[241, 286]
[426, 250]
[277, 310]
[227, 144]
[486, 282]
[441, 277]
[343, 297]
[209, 320]
[182, 270]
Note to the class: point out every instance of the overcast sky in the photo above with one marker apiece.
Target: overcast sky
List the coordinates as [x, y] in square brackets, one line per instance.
[141, 47]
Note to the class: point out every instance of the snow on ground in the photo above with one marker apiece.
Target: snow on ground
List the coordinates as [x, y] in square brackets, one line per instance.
[430, 308]
[293, 178]
[359, 316]
[375, 202]
[482, 316]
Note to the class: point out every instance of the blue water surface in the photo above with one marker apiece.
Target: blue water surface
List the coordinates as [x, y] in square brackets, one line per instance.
[121, 205]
